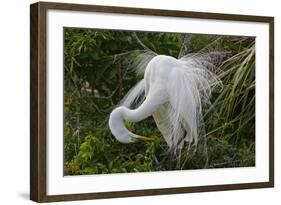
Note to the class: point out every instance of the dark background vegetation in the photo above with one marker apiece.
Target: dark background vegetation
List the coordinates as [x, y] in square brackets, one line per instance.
[98, 73]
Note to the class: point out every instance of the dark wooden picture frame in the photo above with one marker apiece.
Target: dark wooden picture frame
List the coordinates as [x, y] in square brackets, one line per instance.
[38, 101]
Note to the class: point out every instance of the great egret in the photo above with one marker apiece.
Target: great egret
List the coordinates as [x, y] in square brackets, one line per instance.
[175, 91]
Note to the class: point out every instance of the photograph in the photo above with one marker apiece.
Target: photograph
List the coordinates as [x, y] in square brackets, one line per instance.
[143, 101]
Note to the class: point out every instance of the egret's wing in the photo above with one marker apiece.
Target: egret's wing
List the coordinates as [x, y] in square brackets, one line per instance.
[185, 105]
[164, 118]
[189, 89]
[163, 123]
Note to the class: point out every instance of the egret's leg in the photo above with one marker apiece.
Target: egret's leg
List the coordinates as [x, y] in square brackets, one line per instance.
[168, 158]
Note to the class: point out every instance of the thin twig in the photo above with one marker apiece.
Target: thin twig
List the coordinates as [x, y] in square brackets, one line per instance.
[185, 45]
[142, 44]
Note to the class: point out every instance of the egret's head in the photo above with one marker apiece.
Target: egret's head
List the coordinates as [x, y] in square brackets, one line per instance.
[131, 138]
[119, 130]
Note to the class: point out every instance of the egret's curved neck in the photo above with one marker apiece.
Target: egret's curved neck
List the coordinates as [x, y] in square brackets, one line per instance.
[146, 109]
[116, 124]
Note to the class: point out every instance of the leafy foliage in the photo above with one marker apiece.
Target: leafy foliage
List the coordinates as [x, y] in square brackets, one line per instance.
[97, 74]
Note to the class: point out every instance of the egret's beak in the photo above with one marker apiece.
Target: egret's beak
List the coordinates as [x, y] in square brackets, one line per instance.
[141, 138]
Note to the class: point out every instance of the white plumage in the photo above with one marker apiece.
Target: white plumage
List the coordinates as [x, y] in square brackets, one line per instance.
[175, 91]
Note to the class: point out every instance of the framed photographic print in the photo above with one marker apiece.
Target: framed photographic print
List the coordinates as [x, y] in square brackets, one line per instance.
[134, 102]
